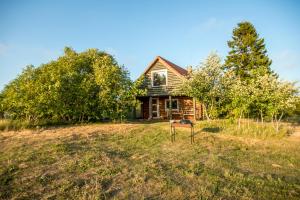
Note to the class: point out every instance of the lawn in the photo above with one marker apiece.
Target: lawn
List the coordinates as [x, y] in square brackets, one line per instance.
[138, 161]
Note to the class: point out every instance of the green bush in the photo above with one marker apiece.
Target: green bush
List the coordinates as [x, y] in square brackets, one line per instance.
[7, 125]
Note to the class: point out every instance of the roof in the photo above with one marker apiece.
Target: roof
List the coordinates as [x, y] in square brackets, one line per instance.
[173, 67]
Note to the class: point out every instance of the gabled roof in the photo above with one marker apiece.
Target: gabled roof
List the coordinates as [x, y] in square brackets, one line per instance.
[168, 64]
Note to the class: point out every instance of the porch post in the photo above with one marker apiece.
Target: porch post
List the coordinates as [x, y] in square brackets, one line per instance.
[170, 107]
[150, 107]
[194, 108]
[134, 109]
[158, 107]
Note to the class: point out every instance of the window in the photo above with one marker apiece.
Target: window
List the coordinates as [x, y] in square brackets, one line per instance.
[159, 78]
[175, 105]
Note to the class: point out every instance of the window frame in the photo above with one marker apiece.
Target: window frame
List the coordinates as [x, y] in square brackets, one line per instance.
[176, 109]
[160, 70]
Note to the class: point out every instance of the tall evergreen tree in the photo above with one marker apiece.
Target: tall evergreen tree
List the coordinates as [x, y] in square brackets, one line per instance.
[248, 55]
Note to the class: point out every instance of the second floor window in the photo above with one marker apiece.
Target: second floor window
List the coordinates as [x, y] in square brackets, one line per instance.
[159, 78]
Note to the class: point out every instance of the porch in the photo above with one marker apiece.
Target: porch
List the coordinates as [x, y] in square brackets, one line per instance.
[159, 107]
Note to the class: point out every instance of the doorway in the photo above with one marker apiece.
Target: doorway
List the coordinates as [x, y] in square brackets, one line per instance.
[155, 108]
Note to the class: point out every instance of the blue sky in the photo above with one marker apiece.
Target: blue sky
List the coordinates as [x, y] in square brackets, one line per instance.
[184, 32]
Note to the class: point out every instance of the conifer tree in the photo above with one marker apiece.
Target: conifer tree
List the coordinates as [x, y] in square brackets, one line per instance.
[248, 55]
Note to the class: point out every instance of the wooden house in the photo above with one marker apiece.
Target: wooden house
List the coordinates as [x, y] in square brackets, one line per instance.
[162, 79]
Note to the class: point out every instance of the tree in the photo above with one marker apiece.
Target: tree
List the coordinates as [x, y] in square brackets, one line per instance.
[203, 84]
[238, 95]
[274, 98]
[76, 87]
[248, 56]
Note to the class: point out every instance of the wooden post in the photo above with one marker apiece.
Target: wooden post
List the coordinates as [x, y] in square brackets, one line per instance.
[194, 108]
[191, 135]
[157, 107]
[134, 109]
[171, 132]
[174, 133]
[134, 112]
[150, 107]
[170, 107]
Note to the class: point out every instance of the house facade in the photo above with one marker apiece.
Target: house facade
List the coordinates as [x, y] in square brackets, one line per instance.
[162, 80]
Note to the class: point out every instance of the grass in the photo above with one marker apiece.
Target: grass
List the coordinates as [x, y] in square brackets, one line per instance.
[138, 161]
[6, 125]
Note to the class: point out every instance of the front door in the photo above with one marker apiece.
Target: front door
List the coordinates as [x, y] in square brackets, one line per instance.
[155, 108]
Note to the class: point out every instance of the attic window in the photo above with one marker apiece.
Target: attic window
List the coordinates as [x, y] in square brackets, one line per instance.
[159, 78]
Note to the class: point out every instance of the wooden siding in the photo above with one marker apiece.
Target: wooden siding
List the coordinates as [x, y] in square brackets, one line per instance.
[145, 106]
[173, 81]
[185, 108]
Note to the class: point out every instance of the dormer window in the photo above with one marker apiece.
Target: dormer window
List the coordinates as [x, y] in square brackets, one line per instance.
[159, 78]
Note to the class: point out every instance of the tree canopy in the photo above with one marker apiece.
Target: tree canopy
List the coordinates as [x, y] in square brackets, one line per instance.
[76, 87]
[203, 83]
[244, 85]
[248, 55]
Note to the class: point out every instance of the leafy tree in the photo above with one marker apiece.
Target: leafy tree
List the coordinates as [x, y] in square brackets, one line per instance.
[248, 55]
[76, 87]
[203, 84]
[274, 98]
[238, 94]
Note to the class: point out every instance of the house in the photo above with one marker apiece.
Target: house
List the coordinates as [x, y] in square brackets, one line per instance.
[162, 79]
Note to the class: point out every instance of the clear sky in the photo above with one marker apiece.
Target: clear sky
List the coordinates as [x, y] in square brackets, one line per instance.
[184, 32]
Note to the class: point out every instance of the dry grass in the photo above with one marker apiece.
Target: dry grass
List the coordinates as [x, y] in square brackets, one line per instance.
[138, 161]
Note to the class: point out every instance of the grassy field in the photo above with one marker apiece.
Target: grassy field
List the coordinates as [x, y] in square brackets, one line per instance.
[138, 161]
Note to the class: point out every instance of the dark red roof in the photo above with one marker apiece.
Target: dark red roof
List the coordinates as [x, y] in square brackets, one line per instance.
[180, 70]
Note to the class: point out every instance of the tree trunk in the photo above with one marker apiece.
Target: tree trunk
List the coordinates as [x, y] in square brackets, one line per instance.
[240, 117]
[272, 118]
[205, 111]
[261, 117]
[278, 121]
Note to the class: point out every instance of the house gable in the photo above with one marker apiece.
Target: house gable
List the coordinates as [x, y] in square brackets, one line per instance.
[175, 77]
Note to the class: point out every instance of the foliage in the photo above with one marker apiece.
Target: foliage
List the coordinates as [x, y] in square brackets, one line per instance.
[252, 88]
[76, 87]
[203, 84]
[274, 98]
[248, 55]
[245, 85]
[265, 96]
[239, 95]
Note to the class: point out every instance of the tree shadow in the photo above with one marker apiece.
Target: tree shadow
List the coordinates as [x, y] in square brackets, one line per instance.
[212, 129]
[145, 121]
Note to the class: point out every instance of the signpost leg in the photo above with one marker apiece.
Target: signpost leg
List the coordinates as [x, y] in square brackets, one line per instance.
[192, 135]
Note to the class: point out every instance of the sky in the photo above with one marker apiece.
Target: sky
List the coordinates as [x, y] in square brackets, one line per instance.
[135, 32]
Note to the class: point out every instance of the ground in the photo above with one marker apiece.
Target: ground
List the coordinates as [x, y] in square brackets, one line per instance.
[138, 161]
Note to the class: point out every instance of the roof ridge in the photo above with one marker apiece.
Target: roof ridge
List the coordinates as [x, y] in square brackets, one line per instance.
[179, 69]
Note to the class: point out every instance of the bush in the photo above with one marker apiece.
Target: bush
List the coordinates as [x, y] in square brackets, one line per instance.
[7, 125]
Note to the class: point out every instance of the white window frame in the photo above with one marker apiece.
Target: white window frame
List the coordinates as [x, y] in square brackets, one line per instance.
[177, 109]
[161, 70]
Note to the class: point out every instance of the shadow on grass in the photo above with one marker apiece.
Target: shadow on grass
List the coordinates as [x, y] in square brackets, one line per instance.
[212, 129]
[145, 121]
